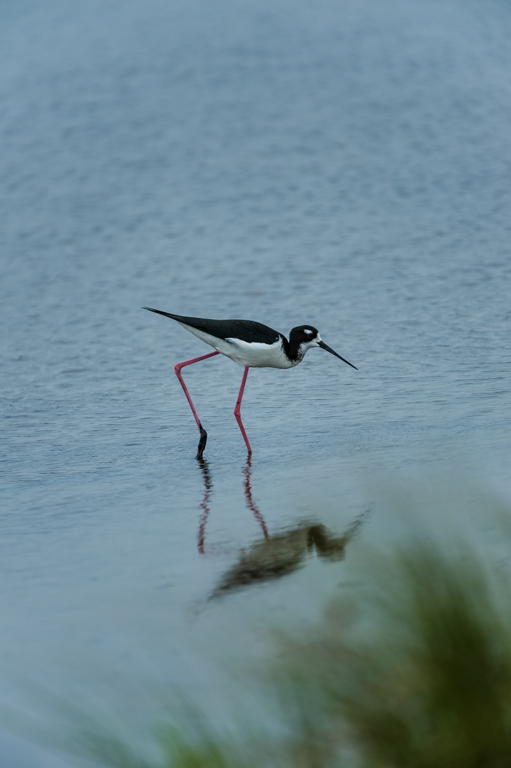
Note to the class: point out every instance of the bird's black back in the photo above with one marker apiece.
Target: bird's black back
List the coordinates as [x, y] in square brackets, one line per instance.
[246, 330]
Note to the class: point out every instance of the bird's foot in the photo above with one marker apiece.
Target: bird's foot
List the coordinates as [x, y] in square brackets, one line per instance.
[202, 442]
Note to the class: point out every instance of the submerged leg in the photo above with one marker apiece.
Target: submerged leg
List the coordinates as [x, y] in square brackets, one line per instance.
[203, 433]
[237, 410]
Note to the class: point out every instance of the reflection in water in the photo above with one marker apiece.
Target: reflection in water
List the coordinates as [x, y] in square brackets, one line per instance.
[273, 556]
[283, 554]
[205, 504]
[208, 485]
[247, 471]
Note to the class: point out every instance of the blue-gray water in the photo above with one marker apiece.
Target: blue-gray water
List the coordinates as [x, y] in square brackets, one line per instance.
[344, 163]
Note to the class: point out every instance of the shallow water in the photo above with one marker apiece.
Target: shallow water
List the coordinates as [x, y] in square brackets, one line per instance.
[343, 163]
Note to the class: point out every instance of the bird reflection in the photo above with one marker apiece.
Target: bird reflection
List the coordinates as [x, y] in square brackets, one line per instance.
[282, 554]
[208, 485]
[247, 487]
[271, 557]
[205, 504]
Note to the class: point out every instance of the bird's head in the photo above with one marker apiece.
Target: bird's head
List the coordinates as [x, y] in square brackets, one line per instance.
[304, 337]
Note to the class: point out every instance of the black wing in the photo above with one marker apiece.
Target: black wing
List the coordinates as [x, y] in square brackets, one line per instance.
[246, 330]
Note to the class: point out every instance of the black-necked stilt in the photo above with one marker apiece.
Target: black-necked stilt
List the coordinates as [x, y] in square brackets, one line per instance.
[250, 344]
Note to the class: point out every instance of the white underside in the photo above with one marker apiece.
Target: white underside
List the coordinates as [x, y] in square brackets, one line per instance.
[253, 354]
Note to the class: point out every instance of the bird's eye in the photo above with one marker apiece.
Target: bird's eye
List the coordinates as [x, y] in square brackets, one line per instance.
[309, 333]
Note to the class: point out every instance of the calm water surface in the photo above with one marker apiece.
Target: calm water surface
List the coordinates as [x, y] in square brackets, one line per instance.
[343, 163]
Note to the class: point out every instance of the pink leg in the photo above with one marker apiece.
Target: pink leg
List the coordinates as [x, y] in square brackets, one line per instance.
[237, 410]
[203, 433]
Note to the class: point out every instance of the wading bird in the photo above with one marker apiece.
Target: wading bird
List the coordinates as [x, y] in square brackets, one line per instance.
[251, 345]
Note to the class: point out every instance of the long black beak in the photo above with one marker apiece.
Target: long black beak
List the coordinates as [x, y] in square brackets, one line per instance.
[328, 349]
[159, 312]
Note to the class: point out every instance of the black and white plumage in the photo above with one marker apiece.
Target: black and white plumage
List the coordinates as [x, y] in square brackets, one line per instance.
[253, 344]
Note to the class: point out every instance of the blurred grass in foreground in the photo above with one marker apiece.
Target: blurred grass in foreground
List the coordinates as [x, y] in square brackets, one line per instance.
[415, 671]
[408, 668]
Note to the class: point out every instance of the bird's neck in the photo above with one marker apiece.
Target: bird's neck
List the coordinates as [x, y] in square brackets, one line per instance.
[293, 350]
